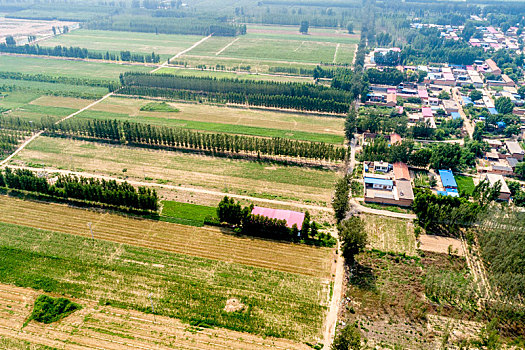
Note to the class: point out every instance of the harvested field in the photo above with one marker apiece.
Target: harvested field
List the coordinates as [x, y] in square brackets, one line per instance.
[390, 234]
[21, 28]
[207, 242]
[264, 180]
[438, 244]
[191, 289]
[110, 328]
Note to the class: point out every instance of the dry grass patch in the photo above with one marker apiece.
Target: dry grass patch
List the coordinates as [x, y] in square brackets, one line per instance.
[58, 101]
[390, 234]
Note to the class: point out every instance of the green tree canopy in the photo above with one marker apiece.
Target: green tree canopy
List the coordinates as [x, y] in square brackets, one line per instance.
[353, 237]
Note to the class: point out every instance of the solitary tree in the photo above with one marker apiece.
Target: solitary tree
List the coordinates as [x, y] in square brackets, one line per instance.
[348, 338]
[10, 41]
[353, 237]
[476, 95]
[340, 200]
[350, 27]
[304, 27]
[504, 105]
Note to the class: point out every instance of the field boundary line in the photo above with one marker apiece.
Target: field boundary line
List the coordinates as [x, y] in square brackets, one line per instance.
[165, 64]
[298, 47]
[333, 312]
[335, 53]
[225, 47]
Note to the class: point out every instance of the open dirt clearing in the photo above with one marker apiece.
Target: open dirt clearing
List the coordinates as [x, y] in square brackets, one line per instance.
[390, 234]
[21, 28]
[202, 242]
[440, 244]
[105, 327]
[290, 183]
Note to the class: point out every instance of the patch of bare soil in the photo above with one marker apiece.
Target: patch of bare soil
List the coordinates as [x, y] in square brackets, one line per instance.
[438, 244]
[233, 305]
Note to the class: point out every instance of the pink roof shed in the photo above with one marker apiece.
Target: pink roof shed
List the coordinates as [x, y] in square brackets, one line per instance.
[427, 112]
[422, 93]
[291, 217]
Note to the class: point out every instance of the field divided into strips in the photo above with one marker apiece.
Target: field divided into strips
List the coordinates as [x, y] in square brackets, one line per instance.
[263, 180]
[111, 328]
[191, 289]
[208, 242]
[26, 105]
[255, 122]
[68, 68]
[265, 47]
[165, 45]
[390, 234]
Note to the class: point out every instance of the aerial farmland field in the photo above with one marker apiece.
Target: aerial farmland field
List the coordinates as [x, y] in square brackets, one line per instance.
[293, 183]
[275, 46]
[191, 289]
[68, 68]
[257, 122]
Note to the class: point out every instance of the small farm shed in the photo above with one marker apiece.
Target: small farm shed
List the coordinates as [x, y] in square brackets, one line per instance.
[291, 217]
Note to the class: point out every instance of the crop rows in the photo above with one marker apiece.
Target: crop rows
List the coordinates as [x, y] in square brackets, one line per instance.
[111, 328]
[202, 242]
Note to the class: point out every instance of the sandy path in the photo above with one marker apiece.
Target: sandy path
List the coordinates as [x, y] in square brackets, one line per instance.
[165, 64]
[225, 47]
[335, 53]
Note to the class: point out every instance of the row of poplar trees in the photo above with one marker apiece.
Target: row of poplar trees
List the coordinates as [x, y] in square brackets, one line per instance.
[145, 134]
[261, 93]
[88, 189]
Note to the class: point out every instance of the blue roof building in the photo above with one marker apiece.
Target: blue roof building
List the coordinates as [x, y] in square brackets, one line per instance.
[455, 115]
[493, 111]
[466, 100]
[447, 179]
[380, 182]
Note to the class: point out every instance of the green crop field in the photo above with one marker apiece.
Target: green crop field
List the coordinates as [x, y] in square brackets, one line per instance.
[263, 180]
[465, 184]
[194, 290]
[69, 68]
[187, 213]
[275, 46]
[166, 45]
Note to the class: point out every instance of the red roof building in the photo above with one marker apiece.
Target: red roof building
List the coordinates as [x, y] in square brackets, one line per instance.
[291, 217]
[401, 171]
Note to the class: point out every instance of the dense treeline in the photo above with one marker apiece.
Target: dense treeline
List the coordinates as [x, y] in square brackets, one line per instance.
[443, 214]
[88, 189]
[167, 25]
[427, 45]
[9, 140]
[144, 134]
[112, 86]
[500, 236]
[78, 52]
[22, 124]
[260, 93]
[300, 103]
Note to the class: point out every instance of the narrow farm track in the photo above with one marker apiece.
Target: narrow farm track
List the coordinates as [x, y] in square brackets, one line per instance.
[335, 53]
[225, 47]
[105, 327]
[205, 242]
[165, 64]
